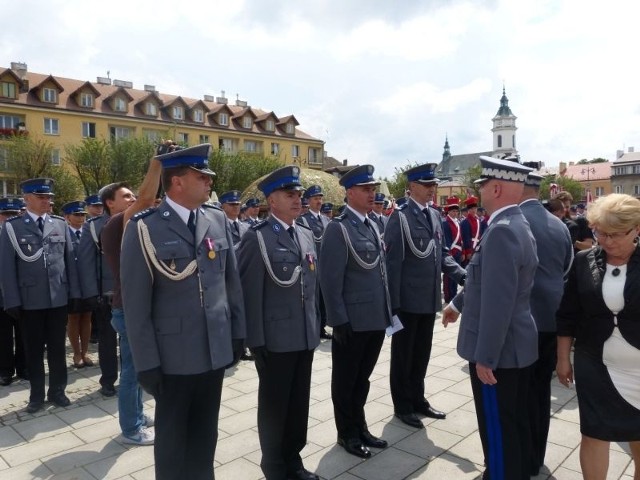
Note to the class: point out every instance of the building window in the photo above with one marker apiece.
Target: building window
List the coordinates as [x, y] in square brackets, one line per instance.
[223, 119]
[151, 109]
[291, 128]
[198, 115]
[636, 190]
[88, 130]
[247, 122]
[295, 151]
[270, 126]
[4, 159]
[86, 100]
[49, 95]
[513, 141]
[225, 144]
[119, 105]
[204, 138]
[118, 133]
[636, 169]
[314, 155]
[51, 126]
[499, 141]
[183, 138]
[599, 191]
[152, 135]
[250, 146]
[55, 157]
[178, 113]
[275, 148]
[8, 89]
[619, 189]
[9, 121]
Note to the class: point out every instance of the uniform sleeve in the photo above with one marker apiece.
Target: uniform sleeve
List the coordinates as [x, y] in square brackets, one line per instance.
[8, 273]
[252, 272]
[71, 267]
[394, 255]
[137, 296]
[334, 255]
[501, 257]
[235, 297]
[87, 253]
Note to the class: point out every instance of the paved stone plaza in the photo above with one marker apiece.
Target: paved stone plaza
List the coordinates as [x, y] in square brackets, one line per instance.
[82, 441]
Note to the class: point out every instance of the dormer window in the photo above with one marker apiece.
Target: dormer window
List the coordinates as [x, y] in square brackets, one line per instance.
[223, 119]
[151, 109]
[49, 95]
[270, 126]
[178, 113]
[247, 122]
[198, 115]
[290, 128]
[7, 89]
[119, 105]
[86, 100]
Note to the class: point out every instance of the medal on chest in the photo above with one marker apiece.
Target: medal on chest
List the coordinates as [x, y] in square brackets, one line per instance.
[211, 248]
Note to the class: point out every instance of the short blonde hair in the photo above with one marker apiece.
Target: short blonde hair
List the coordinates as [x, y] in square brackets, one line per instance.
[614, 212]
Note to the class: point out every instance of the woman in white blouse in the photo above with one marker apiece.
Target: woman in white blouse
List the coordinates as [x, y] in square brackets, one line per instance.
[600, 309]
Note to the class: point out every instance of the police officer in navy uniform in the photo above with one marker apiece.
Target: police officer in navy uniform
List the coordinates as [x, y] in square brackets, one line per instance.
[353, 279]
[498, 334]
[12, 358]
[327, 210]
[38, 280]
[253, 209]
[416, 258]
[184, 312]
[317, 223]
[94, 205]
[230, 204]
[555, 255]
[278, 267]
[376, 214]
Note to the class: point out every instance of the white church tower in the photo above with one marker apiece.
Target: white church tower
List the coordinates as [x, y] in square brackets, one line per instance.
[504, 130]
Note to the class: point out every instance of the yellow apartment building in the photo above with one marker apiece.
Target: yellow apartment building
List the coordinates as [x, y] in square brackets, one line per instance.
[65, 111]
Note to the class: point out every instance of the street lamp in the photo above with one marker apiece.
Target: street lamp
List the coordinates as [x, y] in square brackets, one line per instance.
[588, 171]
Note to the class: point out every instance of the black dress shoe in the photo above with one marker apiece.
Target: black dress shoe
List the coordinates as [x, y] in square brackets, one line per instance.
[61, 400]
[326, 335]
[108, 390]
[355, 447]
[426, 410]
[410, 419]
[371, 441]
[34, 407]
[6, 380]
[302, 474]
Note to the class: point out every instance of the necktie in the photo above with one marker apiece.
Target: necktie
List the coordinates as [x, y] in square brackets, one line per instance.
[427, 214]
[78, 234]
[319, 219]
[192, 223]
[292, 233]
[236, 227]
[41, 224]
[368, 225]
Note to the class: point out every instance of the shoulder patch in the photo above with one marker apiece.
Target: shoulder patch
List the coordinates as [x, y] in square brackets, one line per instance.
[504, 221]
[143, 213]
[259, 225]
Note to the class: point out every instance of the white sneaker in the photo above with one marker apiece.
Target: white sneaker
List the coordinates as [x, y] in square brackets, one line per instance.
[147, 421]
[145, 436]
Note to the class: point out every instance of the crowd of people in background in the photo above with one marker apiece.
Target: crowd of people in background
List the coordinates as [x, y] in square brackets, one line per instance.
[530, 281]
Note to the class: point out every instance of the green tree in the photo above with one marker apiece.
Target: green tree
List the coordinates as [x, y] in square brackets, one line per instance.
[564, 183]
[130, 159]
[584, 161]
[236, 171]
[92, 162]
[398, 183]
[473, 174]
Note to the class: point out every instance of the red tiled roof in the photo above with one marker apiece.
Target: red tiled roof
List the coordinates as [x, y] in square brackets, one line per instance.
[596, 171]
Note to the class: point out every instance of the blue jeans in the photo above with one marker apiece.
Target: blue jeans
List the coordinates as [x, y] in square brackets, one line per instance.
[129, 393]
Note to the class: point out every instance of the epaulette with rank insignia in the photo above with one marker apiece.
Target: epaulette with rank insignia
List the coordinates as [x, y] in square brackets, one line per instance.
[210, 205]
[57, 216]
[143, 213]
[259, 225]
[93, 219]
[402, 207]
[339, 218]
[12, 219]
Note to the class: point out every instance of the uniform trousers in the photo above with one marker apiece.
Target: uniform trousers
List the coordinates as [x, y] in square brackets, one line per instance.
[501, 410]
[12, 358]
[352, 366]
[39, 328]
[107, 344]
[410, 353]
[186, 425]
[540, 397]
[283, 411]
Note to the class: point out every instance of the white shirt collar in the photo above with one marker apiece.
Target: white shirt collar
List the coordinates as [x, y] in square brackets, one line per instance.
[357, 214]
[422, 207]
[182, 212]
[286, 227]
[35, 217]
[497, 212]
